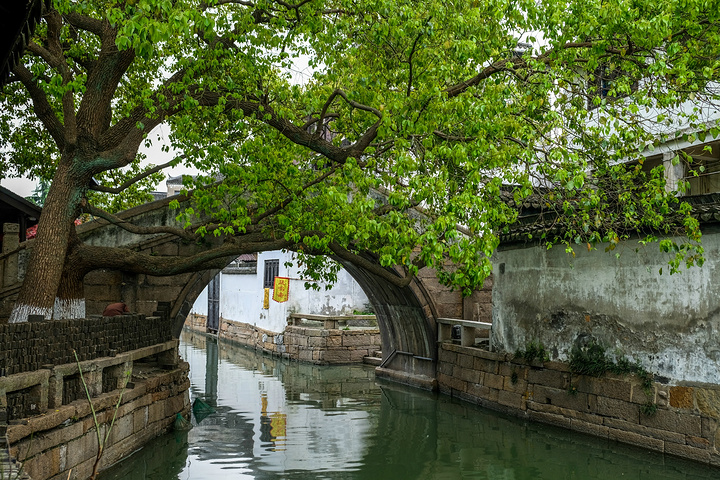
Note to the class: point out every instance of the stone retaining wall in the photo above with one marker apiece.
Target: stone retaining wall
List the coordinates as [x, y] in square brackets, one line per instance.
[304, 343]
[63, 437]
[685, 423]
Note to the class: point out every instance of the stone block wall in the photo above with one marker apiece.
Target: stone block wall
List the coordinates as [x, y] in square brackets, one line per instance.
[325, 347]
[26, 347]
[307, 344]
[685, 423]
[59, 436]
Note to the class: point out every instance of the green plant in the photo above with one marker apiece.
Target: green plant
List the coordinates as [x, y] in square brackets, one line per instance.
[591, 359]
[533, 351]
[648, 408]
[102, 440]
[514, 377]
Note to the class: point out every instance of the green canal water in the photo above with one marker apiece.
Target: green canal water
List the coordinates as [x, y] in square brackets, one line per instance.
[285, 420]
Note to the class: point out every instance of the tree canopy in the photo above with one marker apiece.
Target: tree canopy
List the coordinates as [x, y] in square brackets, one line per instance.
[419, 123]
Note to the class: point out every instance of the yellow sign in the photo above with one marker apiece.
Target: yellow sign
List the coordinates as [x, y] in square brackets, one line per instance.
[266, 299]
[282, 289]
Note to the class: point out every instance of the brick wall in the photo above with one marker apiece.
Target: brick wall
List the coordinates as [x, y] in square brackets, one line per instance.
[685, 423]
[26, 347]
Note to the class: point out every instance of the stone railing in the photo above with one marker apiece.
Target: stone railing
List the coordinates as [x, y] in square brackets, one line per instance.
[52, 427]
[469, 330]
[32, 393]
[332, 321]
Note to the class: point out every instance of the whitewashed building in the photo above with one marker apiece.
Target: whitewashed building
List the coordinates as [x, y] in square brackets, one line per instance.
[238, 293]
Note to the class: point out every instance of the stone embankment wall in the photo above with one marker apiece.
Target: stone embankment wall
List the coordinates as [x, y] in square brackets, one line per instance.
[304, 343]
[685, 423]
[44, 412]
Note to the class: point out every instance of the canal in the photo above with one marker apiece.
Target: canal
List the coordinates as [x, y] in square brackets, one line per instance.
[275, 419]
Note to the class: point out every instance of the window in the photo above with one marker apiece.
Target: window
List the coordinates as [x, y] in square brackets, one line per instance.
[602, 82]
[272, 269]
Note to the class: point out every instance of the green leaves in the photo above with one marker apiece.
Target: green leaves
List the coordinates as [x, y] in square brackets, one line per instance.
[420, 133]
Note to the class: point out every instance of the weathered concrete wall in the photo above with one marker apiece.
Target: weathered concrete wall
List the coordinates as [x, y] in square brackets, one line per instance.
[667, 323]
[61, 436]
[685, 423]
[307, 344]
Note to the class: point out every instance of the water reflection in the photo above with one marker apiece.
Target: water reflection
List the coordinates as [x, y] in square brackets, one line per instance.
[286, 420]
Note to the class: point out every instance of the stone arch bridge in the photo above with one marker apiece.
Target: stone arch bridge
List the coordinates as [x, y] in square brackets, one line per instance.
[406, 316]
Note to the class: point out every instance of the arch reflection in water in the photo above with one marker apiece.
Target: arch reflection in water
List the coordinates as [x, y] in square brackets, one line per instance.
[285, 420]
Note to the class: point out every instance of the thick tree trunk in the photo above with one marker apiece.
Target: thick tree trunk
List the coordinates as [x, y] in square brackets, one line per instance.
[70, 301]
[39, 291]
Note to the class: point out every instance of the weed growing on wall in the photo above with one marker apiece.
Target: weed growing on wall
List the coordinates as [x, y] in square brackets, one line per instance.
[592, 360]
[533, 351]
[102, 440]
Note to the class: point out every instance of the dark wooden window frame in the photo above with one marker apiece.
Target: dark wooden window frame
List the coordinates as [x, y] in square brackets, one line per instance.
[272, 270]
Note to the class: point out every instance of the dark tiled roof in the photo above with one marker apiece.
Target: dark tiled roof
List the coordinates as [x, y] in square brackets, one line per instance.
[534, 219]
[17, 22]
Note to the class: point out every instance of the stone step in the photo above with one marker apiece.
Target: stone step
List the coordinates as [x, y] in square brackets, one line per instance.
[376, 361]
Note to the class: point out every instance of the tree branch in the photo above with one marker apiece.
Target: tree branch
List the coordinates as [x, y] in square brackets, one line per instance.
[84, 22]
[41, 106]
[55, 58]
[132, 228]
[95, 111]
[410, 61]
[94, 257]
[502, 65]
[286, 202]
[132, 181]
[114, 136]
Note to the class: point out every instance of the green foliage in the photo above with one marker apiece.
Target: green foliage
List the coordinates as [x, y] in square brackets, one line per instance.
[417, 118]
[533, 351]
[39, 193]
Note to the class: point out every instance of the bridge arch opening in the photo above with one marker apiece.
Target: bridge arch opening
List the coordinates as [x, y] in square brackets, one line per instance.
[405, 316]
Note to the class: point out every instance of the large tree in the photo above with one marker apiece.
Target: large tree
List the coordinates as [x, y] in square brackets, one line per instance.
[420, 126]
